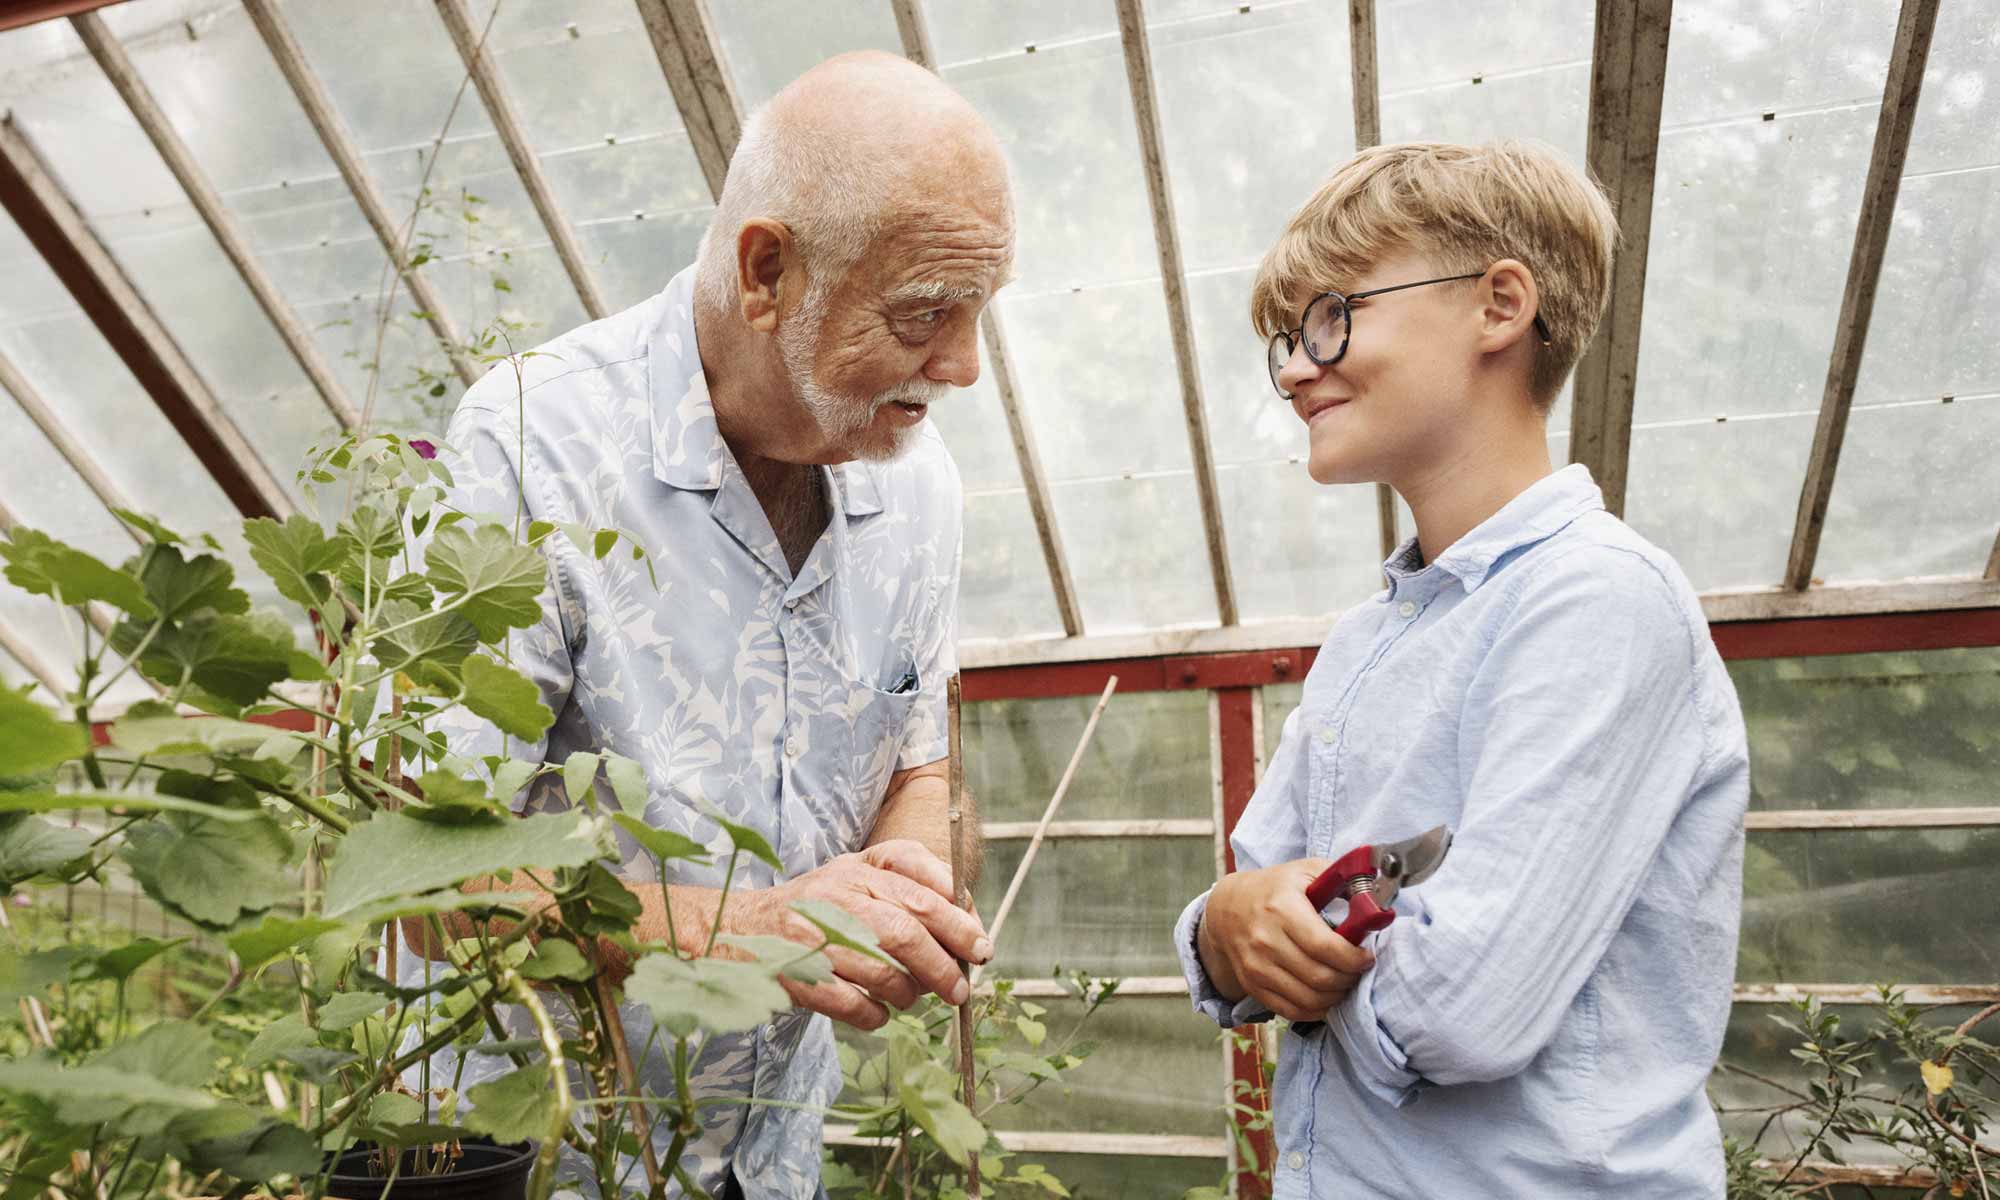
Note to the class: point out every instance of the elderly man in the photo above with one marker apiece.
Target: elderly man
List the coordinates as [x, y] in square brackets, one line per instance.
[759, 426]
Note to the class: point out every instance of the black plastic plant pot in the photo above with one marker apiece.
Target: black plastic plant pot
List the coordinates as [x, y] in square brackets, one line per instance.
[484, 1171]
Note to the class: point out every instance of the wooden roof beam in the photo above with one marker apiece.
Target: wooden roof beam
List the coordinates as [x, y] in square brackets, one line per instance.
[690, 54]
[347, 159]
[506, 118]
[1914, 26]
[1628, 73]
[1368, 132]
[44, 213]
[917, 47]
[146, 110]
[1173, 279]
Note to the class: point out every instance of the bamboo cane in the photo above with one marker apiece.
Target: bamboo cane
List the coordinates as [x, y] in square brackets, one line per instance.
[1048, 815]
[961, 895]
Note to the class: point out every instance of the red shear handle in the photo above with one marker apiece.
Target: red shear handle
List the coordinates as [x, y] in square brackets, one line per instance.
[1364, 917]
[1328, 885]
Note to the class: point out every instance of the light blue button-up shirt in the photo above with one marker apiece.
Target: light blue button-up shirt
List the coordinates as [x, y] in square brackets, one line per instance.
[1544, 1013]
[783, 701]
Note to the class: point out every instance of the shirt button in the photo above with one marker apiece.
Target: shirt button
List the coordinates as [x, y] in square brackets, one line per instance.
[1407, 608]
[1295, 1161]
[1326, 735]
[792, 746]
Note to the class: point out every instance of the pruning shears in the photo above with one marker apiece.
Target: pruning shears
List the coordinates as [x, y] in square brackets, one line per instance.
[1368, 878]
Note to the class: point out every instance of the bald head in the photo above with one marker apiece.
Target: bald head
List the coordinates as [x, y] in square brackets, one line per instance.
[864, 225]
[859, 146]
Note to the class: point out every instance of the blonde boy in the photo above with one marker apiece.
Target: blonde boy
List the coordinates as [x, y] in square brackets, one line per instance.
[1541, 1018]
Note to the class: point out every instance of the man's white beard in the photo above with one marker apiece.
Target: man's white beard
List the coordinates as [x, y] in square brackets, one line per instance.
[841, 418]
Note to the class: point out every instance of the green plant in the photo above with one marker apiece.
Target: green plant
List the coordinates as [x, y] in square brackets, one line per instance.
[299, 771]
[903, 1096]
[1922, 1094]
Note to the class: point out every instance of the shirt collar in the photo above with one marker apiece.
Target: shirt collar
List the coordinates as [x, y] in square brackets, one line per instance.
[688, 450]
[1544, 509]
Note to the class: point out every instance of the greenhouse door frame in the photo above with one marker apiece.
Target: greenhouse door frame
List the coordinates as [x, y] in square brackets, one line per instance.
[1235, 681]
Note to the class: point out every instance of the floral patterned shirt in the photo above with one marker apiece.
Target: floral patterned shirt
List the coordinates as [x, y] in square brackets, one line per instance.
[784, 701]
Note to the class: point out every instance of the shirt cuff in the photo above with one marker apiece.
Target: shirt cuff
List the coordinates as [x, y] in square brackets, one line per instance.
[1207, 1001]
[1379, 1063]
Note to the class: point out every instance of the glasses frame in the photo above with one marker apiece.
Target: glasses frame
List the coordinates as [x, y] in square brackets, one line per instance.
[1295, 339]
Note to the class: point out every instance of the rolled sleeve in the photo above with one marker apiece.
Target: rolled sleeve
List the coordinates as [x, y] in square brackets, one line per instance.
[1378, 1061]
[1201, 989]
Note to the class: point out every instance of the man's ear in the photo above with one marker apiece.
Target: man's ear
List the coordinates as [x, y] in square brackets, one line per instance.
[764, 254]
[1511, 302]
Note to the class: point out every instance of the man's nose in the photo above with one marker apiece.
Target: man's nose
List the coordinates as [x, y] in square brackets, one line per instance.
[955, 354]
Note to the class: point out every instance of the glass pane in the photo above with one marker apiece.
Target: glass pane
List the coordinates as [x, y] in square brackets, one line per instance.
[1149, 757]
[1004, 589]
[1720, 498]
[1473, 74]
[395, 89]
[1156, 1069]
[1868, 906]
[1095, 372]
[1873, 730]
[615, 151]
[1105, 905]
[1137, 552]
[769, 44]
[1766, 129]
[1915, 491]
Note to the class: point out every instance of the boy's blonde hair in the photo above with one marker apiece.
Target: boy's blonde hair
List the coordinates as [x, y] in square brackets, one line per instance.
[1466, 208]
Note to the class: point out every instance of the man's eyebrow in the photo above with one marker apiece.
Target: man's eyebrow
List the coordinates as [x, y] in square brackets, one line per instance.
[935, 291]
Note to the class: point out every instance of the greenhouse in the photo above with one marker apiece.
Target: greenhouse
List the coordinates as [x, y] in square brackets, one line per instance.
[258, 251]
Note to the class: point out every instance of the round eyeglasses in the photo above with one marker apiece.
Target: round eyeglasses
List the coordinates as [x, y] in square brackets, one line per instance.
[1327, 324]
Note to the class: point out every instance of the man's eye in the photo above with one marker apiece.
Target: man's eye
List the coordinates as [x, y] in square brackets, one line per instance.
[931, 317]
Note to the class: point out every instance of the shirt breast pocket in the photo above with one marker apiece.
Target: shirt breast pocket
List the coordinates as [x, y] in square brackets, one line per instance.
[872, 719]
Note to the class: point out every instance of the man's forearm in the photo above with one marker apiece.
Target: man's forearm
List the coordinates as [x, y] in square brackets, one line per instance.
[918, 807]
[692, 917]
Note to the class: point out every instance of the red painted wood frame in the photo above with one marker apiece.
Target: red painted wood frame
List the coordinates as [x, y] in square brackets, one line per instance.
[1234, 679]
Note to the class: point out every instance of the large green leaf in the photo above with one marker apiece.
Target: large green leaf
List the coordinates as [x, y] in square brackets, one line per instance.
[180, 587]
[395, 855]
[515, 1107]
[349, 1009]
[297, 555]
[214, 872]
[628, 783]
[120, 962]
[273, 936]
[45, 800]
[663, 844]
[175, 734]
[439, 641]
[33, 738]
[449, 800]
[372, 532]
[30, 846]
[40, 564]
[556, 959]
[243, 1143]
[929, 1094]
[744, 838]
[129, 1103]
[840, 927]
[794, 961]
[505, 697]
[494, 579]
[235, 658]
[711, 994]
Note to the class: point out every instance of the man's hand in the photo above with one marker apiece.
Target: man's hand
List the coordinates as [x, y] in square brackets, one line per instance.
[1260, 937]
[900, 890]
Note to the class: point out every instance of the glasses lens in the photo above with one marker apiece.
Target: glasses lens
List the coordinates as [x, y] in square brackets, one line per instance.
[1279, 352]
[1325, 327]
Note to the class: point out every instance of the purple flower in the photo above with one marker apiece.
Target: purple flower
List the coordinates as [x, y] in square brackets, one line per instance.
[423, 448]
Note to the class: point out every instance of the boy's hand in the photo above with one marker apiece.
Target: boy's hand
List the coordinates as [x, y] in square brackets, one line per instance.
[1260, 937]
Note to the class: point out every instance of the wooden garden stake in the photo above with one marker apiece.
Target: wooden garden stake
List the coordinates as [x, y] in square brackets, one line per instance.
[961, 895]
[1048, 814]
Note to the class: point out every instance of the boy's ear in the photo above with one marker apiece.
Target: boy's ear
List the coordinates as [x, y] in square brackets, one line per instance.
[1511, 302]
